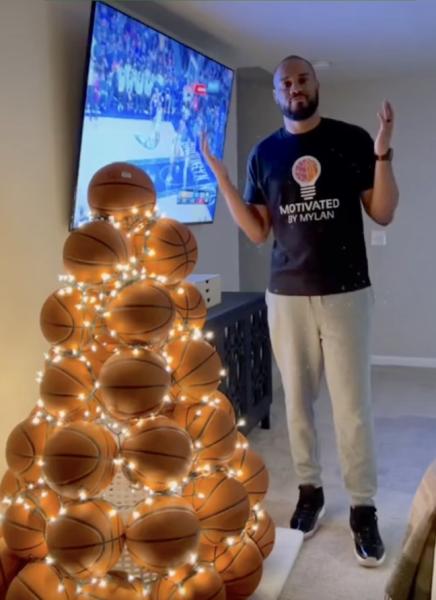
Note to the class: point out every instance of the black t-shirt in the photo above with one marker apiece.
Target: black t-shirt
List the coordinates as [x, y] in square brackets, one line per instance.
[311, 184]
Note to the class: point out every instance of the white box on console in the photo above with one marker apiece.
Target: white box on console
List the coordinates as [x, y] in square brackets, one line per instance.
[209, 287]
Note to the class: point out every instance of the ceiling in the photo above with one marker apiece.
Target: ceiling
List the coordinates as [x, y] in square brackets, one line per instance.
[362, 39]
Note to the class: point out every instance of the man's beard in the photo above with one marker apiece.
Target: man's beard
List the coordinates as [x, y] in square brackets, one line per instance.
[302, 112]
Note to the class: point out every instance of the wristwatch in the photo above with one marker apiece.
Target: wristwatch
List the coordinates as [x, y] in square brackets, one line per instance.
[386, 156]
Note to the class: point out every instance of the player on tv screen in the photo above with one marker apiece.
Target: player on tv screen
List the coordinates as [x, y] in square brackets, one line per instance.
[148, 97]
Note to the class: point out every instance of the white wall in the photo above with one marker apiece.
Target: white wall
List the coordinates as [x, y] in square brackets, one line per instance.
[403, 272]
[42, 53]
[257, 118]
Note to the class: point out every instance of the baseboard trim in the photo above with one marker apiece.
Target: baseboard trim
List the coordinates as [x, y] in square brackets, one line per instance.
[403, 361]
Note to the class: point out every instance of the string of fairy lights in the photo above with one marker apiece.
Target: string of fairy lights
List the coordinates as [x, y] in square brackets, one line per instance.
[95, 303]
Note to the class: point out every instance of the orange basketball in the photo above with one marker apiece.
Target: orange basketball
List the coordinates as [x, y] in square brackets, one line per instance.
[24, 449]
[208, 553]
[241, 569]
[165, 589]
[158, 452]
[198, 584]
[163, 534]
[212, 431]
[221, 504]
[87, 539]
[120, 188]
[171, 251]
[97, 354]
[142, 313]
[80, 458]
[262, 531]
[65, 387]
[40, 581]
[251, 471]
[204, 584]
[45, 499]
[196, 367]
[24, 528]
[221, 401]
[168, 405]
[116, 586]
[241, 441]
[10, 565]
[191, 311]
[133, 383]
[63, 321]
[102, 336]
[93, 250]
[10, 485]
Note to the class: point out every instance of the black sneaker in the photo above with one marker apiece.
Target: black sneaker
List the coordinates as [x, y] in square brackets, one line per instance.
[368, 545]
[310, 509]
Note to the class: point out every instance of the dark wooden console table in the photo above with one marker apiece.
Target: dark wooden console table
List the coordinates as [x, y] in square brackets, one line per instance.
[241, 337]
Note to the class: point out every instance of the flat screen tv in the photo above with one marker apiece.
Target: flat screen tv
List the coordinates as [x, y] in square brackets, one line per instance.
[146, 100]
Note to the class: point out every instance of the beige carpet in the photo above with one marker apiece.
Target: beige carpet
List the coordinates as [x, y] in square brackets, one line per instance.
[405, 409]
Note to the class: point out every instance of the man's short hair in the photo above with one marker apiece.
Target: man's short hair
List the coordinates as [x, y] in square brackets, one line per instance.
[294, 57]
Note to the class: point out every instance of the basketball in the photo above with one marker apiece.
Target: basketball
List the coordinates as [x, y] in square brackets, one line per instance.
[63, 322]
[24, 449]
[94, 250]
[116, 586]
[97, 353]
[262, 531]
[119, 188]
[201, 584]
[102, 336]
[87, 539]
[133, 383]
[168, 405]
[45, 499]
[163, 534]
[208, 553]
[241, 569]
[191, 311]
[204, 584]
[165, 589]
[142, 313]
[40, 581]
[241, 441]
[221, 504]
[158, 452]
[80, 458]
[24, 528]
[65, 387]
[171, 251]
[212, 431]
[196, 368]
[222, 402]
[10, 565]
[251, 471]
[10, 485]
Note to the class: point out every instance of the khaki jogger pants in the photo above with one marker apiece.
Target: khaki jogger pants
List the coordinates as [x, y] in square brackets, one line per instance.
[309, 333]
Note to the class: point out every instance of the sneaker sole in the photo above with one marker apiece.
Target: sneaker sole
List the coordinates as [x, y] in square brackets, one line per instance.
[312, 532]
[369, 563]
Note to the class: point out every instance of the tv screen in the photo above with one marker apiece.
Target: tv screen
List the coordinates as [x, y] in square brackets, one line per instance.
[147, 99]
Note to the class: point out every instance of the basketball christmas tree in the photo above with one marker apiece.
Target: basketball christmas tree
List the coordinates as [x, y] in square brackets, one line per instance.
[129, 479]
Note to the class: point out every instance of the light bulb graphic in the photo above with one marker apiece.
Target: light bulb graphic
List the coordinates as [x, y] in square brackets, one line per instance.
[306, 171]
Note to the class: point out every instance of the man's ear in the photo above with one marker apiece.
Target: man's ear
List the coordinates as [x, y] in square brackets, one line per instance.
[274, 93]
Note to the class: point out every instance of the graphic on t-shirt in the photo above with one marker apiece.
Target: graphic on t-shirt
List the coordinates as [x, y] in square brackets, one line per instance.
[306, 171]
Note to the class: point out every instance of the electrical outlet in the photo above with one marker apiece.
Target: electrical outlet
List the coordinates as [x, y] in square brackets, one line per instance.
[378, 237]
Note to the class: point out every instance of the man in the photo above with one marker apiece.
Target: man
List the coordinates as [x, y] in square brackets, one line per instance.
[307, 182]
